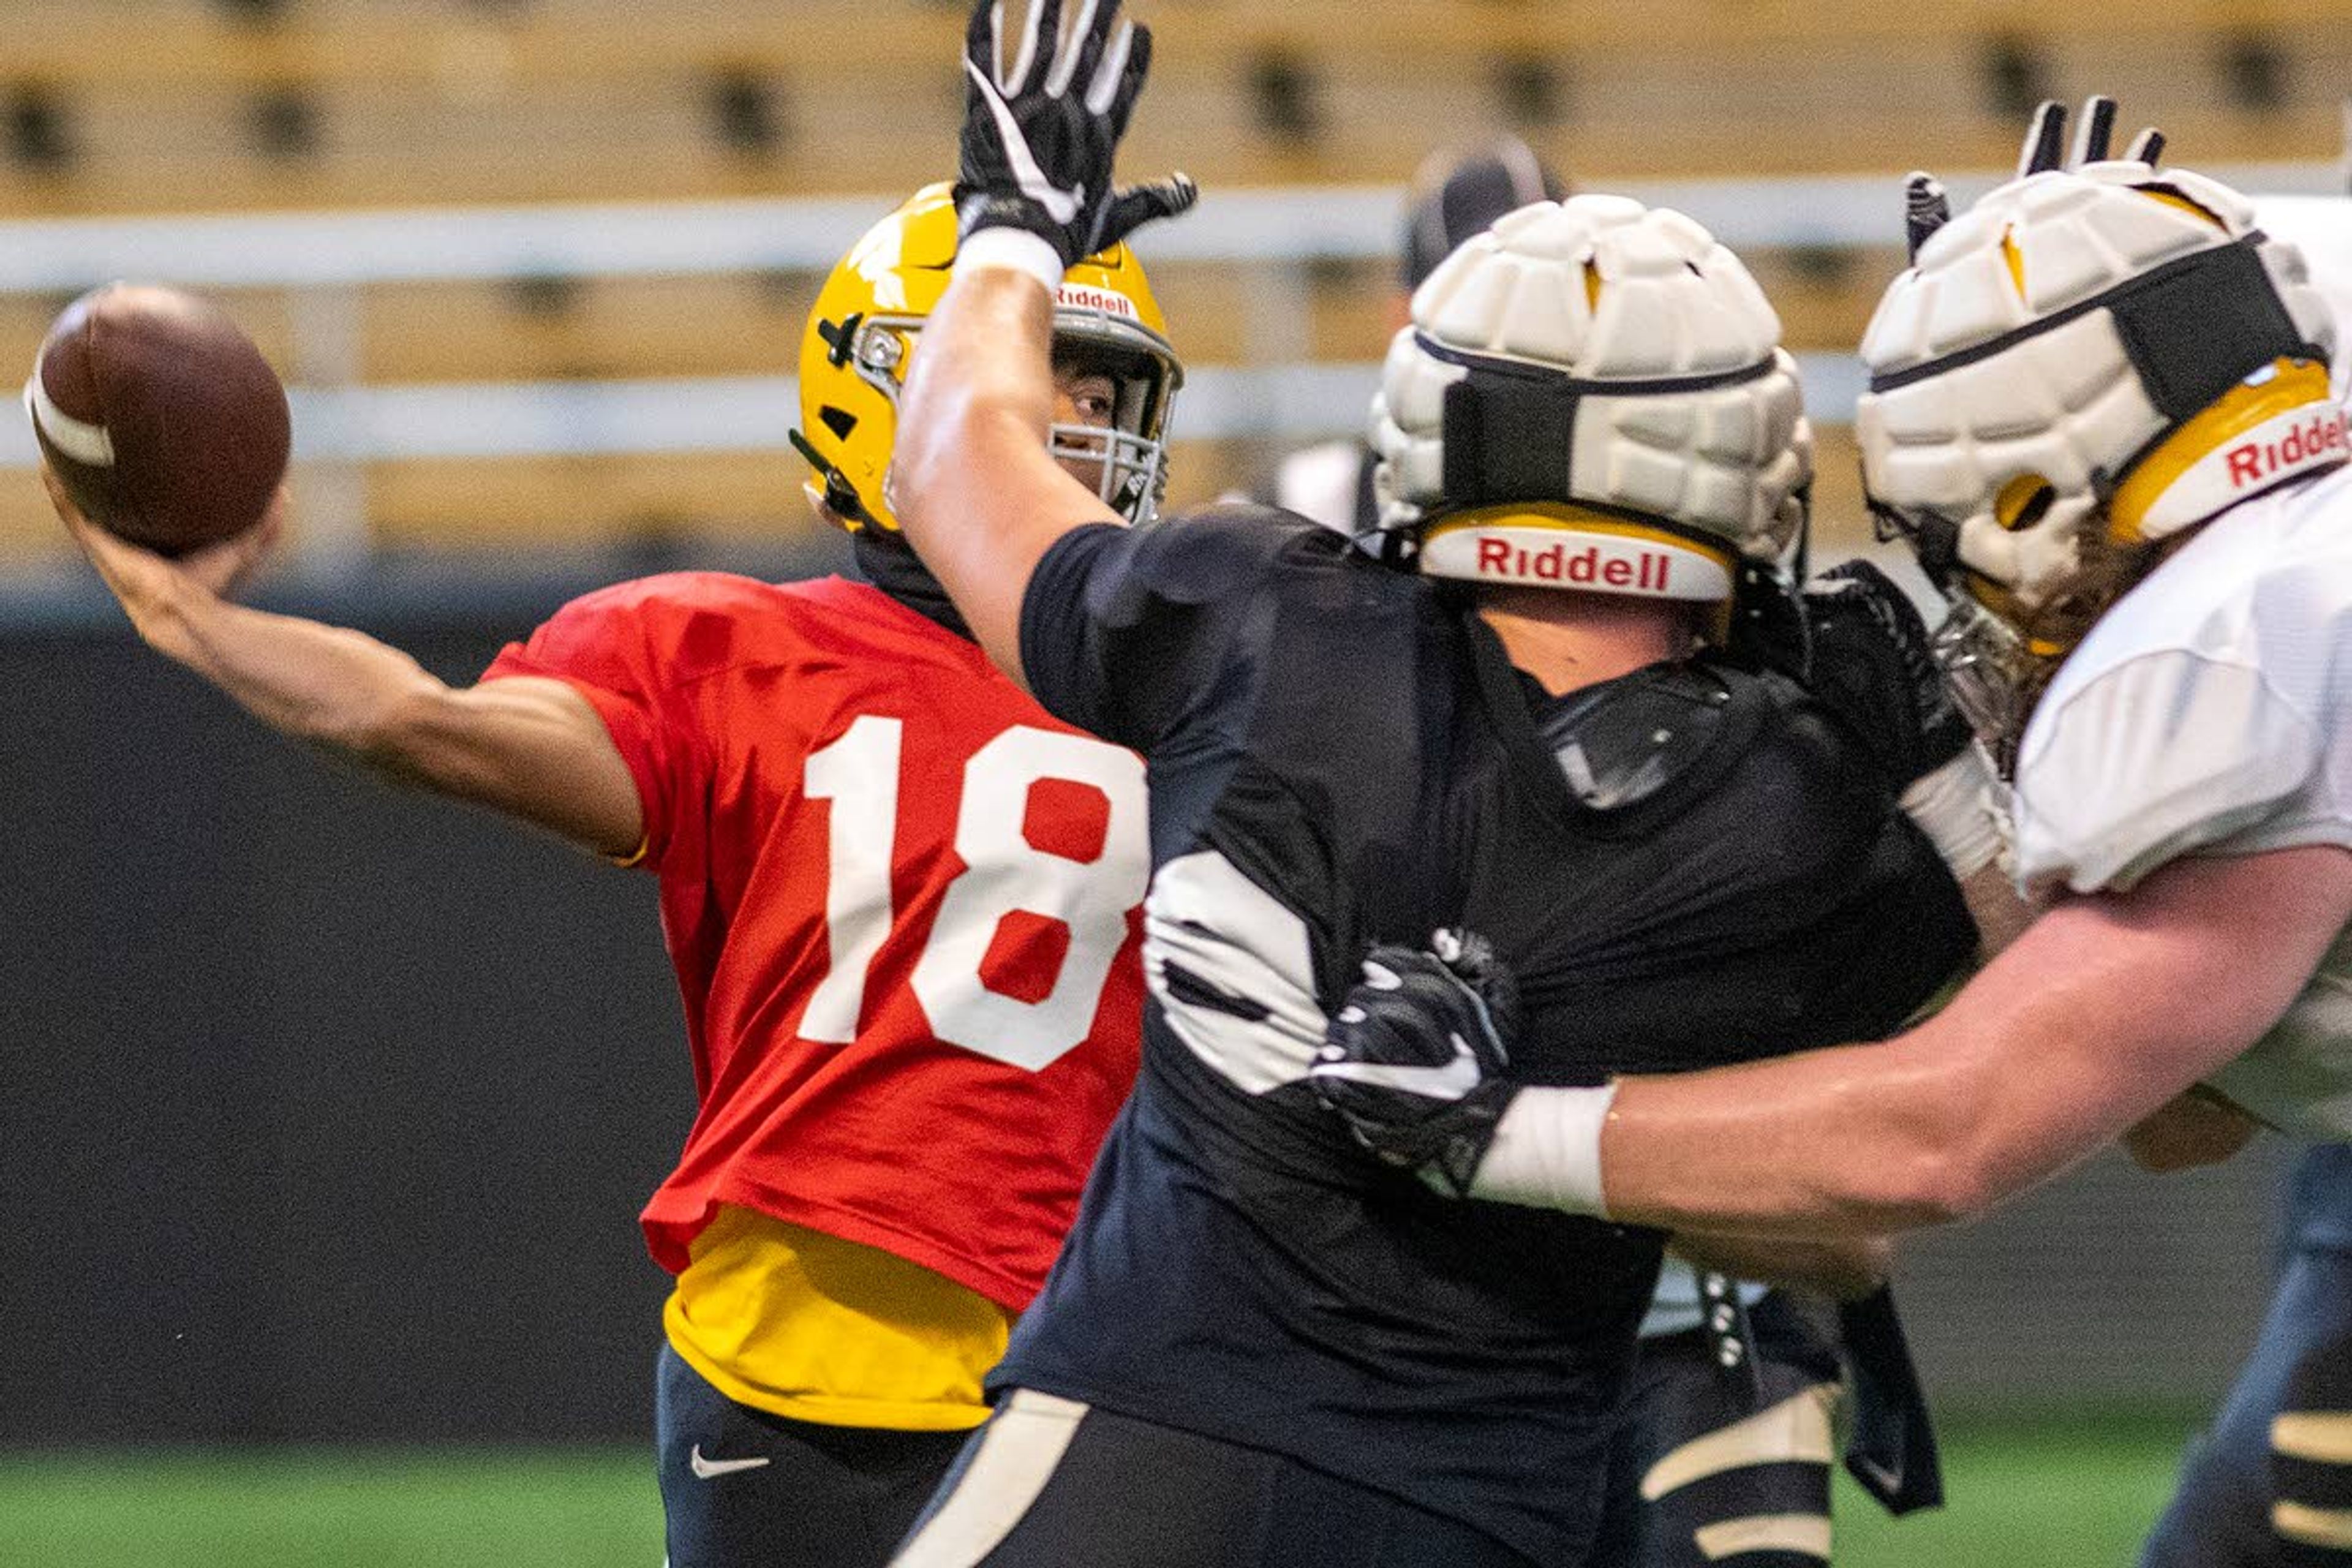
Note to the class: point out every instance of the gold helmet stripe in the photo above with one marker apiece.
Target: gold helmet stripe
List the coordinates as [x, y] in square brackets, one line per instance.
[2292, 383]
[1568, 518]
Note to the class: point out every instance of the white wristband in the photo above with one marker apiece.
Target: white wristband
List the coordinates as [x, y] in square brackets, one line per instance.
[1954, 808]
[1013, 249]
[1547, 1151]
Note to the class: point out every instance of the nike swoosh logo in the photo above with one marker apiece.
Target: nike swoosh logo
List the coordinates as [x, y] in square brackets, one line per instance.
[1450, 1080]
[706, 1468]
[1061, 206]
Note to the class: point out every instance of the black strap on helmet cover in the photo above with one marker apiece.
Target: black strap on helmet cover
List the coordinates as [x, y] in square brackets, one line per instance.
[1509, 428]
[2195, 334]
[2193, 328]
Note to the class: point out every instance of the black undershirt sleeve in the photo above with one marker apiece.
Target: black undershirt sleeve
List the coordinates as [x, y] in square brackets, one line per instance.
[1127, 632]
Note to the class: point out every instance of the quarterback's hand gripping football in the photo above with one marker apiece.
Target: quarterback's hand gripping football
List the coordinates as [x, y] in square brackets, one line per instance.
[1413, 1061]
[148, 584]
[1039, 135]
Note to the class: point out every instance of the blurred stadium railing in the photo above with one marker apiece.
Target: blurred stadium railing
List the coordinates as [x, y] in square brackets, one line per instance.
[488, 367]
[584, 375]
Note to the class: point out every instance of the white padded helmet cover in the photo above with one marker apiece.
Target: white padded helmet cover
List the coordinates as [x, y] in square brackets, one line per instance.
[1601, 288]
[2320, 227]
[2065, 403]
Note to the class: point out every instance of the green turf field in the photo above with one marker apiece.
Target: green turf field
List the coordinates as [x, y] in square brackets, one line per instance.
[2049, 1495]
[2043, 1496]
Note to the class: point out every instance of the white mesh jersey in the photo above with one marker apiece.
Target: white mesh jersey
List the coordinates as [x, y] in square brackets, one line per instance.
[2209, 713]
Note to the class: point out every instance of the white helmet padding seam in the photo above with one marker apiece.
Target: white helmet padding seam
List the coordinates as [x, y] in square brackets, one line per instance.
[2191, 328]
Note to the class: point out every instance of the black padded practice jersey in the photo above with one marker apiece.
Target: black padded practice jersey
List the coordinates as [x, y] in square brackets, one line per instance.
[1339, 754]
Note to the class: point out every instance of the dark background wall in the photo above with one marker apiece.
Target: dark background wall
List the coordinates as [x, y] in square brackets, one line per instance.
[326, 1109]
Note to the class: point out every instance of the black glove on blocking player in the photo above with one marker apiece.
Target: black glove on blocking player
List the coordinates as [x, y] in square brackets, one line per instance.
[1039, 136]
[1413, 1059]
[1873, 660]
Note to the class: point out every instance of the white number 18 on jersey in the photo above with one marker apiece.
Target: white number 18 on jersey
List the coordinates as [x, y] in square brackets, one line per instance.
[859, 773]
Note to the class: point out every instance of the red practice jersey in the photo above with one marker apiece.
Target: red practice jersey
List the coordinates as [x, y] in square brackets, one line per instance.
[903, 903]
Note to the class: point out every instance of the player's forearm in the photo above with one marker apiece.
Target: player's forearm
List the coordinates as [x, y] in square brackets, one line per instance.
[2028, 1070]
[970, 480]
[986, 356]
[2106, 1010]
[318, 683]
[530, 748]
[1859, 1141]
[1823, 1145]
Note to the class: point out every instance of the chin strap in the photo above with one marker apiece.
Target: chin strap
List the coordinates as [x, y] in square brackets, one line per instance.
[1891, 1451]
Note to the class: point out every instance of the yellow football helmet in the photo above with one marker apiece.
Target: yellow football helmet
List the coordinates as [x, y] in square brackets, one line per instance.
[861, 338]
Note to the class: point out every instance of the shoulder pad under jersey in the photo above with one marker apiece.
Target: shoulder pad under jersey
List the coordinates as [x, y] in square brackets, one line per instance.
[1661, 734]
[1207, 553]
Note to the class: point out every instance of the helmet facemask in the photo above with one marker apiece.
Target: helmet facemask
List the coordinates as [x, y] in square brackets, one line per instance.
[1128, 456]
[1996, 653]
[1130, 453]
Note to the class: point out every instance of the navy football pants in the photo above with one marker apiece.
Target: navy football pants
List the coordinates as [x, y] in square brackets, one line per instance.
[1050, 1483]
[1707, 1473]
[2258, 1490]
[743, 1488]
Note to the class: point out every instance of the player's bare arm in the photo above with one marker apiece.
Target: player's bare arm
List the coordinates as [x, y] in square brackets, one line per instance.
[973, 485]
[972, 481]
[2103, 1012]
[531, 747]
[2108, 1007]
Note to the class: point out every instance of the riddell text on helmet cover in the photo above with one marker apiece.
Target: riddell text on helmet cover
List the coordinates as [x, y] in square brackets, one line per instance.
[1578, 367]
[1645, 573]
[2259, 462]
[1544, 557]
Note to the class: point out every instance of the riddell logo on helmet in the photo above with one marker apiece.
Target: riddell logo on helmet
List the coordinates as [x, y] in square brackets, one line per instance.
[2323, 434]
[1078, 297]
[1645, 572]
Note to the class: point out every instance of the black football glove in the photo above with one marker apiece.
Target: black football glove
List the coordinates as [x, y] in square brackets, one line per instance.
[1873, 660]
[1039, 135]
[1413, 1060]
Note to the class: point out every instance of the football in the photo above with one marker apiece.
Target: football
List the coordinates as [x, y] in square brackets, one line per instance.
[166, 423]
